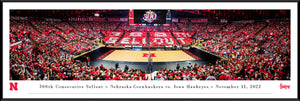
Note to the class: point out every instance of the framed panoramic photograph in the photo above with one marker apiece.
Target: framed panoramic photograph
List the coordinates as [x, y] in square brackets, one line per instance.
[189, 50]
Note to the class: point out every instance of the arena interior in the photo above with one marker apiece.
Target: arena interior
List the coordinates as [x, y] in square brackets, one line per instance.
[175, 44]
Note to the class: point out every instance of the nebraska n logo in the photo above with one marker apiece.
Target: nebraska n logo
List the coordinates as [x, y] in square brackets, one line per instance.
[13, 86]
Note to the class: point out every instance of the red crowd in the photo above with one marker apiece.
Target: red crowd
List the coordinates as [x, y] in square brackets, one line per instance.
[259, 51]
[254, 48]
[171, 28]
[126, 27]
[53, 47]
[19, 41]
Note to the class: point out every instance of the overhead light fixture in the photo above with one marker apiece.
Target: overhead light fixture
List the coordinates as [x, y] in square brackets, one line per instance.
[97, 14]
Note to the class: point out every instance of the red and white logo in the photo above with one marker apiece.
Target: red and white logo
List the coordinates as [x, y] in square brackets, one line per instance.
[13, 86]
[284, 86]
[150, 16]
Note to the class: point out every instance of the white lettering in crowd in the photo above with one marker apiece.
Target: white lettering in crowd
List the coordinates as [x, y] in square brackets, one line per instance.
[183, 34]
[129, 40]
[163, 41]
[160, 34]
[181, 39]
[136, 34]
[160, 40]
[112, 40]
[169, 42]
[177, 33]
[133, 41]
[125, 41]
[144, 41]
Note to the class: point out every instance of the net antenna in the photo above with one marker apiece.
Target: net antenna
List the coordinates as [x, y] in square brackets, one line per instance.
[149, 62]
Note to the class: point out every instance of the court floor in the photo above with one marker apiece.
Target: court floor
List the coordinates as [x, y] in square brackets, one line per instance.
[142, 56]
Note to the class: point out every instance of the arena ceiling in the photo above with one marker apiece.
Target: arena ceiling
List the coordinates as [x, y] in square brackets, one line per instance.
[178, 13]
